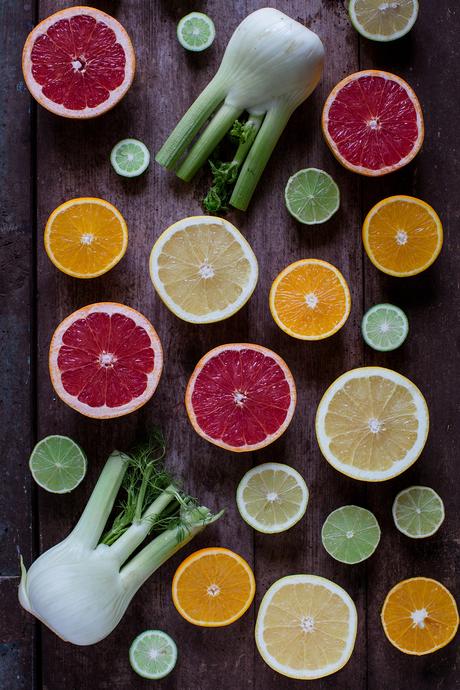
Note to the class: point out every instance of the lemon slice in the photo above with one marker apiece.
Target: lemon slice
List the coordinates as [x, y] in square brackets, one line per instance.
[383, 21]
[306, 627]
[203, 269]
[372, 423]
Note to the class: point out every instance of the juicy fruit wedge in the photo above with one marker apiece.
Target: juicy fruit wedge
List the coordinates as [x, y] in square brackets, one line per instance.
[383, 21]
[153, 654]
[372, 424]
[196, 31]
[419, 616]
[350, 534]
[310, 299]
[78, 62]
[312, 196]
[306, 627]
[86, 237]
[105, 360]
[372, 122]
[241, 397]
[418, 512]
[130, 158]
[384, 327]
[402, 236]
[213, 587]
[272, 497]
[203, 269]
[57, 464]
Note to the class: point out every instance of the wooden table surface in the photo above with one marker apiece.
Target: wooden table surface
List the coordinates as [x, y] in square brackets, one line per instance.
[46, 160]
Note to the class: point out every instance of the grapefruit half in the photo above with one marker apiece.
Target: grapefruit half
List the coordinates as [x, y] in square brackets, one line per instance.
[241, 397]
[78, 62]
[105, 360]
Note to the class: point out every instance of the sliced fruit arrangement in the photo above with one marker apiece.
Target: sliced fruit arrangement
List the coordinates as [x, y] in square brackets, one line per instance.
[383, 21]
[372, 423]
[241, 397]
[272, 497]
[350, 534]
[418, 512]
[79, 62]
[105, 360]
[312, 196]
[306, 627]
[213, 587]
[153, 654]
[419, 616]
[384, 327]
[203, 269]
[196, 31]
[402, 235]
[130, 158]
[372, 122]
[86, 237]
[310, 299]
[57, 464]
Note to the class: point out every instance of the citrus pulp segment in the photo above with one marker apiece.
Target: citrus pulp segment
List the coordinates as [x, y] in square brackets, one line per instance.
[418, 512]
[196, 31]
[373, 123]
[306, 627]
[105, 360]
[383, 21]
[153, 654]
[130, 158]
[79, 62]
[57, 464]
[310, 299]
[241, 397]
[384, 327]
[350, 534]
[372, 423]
[203, 269]
[312, 196]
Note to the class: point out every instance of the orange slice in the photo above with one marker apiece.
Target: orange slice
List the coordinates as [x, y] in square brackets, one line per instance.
[310, 299]
[419, 616]
[86, 237]
[402, 235]
[213, 587]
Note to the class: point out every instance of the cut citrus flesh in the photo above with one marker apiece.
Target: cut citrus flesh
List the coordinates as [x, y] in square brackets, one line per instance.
[372, 423]
[310, 299]
[272, 497]
[203, 269]
[196, 31]
[130, 158]
[372, 122]
[306, 627]
[153, 654]
[350, 534]
[312, 196]
[86, 237]
[241, 397]
[213, 587]
[384, 327]
[419, 616]
[383, 21]
[57, 464]
[418, 512]
[402, 236]
[105, 360]
[79, 62]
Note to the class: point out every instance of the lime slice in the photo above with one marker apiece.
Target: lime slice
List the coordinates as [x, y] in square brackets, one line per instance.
[350, 534]
[196, 31]
[383, 21]
[384, 327]
[272, 497]
[418, 512]
[130, 158]
[153, 654]
[312, 196]
[57, 464]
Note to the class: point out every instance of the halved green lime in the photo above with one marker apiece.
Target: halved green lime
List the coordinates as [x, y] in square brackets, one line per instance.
[196, 31]
[384, 327]
[350, 534]
[418, 511]
[57, 464]
[130, 158]
[153, 654]
[312, 196]
[383, 21]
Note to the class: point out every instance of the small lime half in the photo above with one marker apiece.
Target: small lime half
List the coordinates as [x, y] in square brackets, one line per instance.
[384, 327]
[196, 31]
[383, 21]
[350, 534]
[153, 654]
[130, 158]
[418, 512]
[312, 196]
[57, 464]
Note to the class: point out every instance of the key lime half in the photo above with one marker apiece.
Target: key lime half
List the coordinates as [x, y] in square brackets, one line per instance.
[153, 654]
[57, 464]
[384, 327]
[130, 158]
[418, 512]
[350, 534]
[312, 196]
[383, 21]
[196, 31]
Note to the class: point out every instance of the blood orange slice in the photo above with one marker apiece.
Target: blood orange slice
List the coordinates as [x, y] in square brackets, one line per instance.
[373, 123]
[105, 360]
[78, 62]
[241, 397]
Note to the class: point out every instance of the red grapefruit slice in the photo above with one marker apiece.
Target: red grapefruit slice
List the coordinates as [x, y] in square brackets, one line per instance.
[105, 360]
[241, 397]
[373, 123]
[78, 62]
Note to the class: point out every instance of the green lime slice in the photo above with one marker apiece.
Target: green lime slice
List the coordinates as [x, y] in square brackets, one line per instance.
[350, 534]
[383, 21]
[153, 654]
[57, 464]
[418, 512]
[384, 327]
[312, 196]
[272, 497]
[130, 158]
[196, 31]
